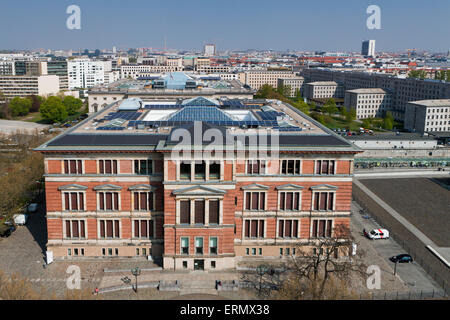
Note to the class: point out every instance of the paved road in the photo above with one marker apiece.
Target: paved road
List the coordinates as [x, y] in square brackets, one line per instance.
[11, 126]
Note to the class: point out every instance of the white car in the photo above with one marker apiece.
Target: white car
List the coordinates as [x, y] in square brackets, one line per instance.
[377, 234]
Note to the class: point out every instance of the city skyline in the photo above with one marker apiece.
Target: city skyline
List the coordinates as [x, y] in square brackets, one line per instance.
[293, 25]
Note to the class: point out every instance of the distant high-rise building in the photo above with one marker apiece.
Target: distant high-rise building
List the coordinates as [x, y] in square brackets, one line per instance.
[86, 73]
[114, 50]
[210, 50]
[368, 48]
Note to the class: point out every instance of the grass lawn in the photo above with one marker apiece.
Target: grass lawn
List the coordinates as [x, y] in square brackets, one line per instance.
[32, 117]
[36, 117]
[338, 123]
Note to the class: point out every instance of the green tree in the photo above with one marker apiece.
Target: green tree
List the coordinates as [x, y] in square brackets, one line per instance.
[20, 106]
[366, 123]
[72, 104]
[53, 110]
[36, 102]
[351, 115]
[388, 121]
[330, 107]
[417, 74]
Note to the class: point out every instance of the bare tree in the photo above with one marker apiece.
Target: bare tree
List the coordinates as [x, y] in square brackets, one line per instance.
[323, 268]
[264, 280]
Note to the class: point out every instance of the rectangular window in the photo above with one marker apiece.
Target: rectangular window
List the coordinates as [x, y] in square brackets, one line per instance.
[108, 201]
[199, 217]
[324, 201]
[200, 170]
[214, 171]
[185, 171]
[254, 228]
[73, 167]
[73, 201]
[185, 212]
[109, 229]
[288, 228]
[75, 229]
[143, 229]
[214, 211]
[199, 245]
[325, 167]
[255, 200]
[184, 245]
[143, 167]
[213, 245]
[290, 201]
[256, 166]
[290, 166]
[143, 201]
[107, 166]
[321, 228]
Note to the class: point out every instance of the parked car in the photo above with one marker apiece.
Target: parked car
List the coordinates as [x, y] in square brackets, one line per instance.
[377, 234]
[20, 219]
[6, 229]
[32, 207]
[401, 258]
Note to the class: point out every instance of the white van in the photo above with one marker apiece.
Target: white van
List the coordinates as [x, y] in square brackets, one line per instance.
[20, 219]
[377, 234]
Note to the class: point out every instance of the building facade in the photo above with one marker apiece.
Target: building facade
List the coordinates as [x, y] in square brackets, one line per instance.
[368, 48]
[257, 78]
[323, 90]
[402, 90]
[127, 194]
[86, 73]
[295, 84]
[428, 116]
[19, 86]
[368, 103]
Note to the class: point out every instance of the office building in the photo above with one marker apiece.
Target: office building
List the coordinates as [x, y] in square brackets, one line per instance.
[86, 73]
[402, 90]
[296, 85]
[368, 48]
[428, 116]
[368, 103]
[323, 90]
[209, 50]
[257, 78]
[19, 86]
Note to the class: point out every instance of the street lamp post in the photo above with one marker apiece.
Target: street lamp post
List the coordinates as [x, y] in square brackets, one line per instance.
[136, 272]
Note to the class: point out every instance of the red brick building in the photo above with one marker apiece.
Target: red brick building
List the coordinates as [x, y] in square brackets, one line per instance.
[125, 193]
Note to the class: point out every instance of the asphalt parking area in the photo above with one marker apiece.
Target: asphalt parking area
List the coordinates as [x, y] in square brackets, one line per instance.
[423, 202]
[378, 252]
